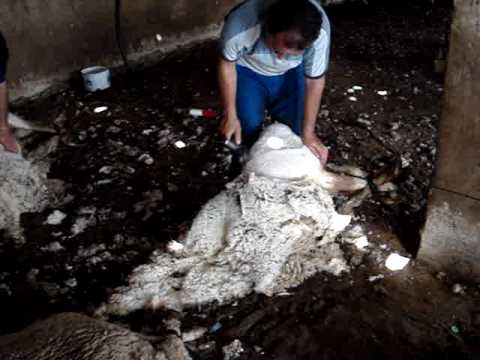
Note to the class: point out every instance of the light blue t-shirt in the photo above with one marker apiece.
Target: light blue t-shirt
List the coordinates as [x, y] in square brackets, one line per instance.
[242, 42]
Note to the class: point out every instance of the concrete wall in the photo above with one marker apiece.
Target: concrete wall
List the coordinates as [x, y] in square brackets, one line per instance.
[50, 39]
[451, 238]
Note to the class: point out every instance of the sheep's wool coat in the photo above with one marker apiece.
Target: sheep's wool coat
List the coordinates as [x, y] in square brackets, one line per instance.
[265, 233]
[22, 189]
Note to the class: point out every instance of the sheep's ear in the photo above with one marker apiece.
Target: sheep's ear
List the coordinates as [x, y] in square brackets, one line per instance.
[339, 183]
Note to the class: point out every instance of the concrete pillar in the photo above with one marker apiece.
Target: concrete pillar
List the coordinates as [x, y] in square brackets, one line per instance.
[451, 236]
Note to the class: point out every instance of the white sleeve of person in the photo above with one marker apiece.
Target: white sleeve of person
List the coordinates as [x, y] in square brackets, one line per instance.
[234, 44]
[316, 58]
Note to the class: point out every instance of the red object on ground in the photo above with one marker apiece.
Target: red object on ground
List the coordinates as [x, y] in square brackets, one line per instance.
[206, 113]
[209, 113]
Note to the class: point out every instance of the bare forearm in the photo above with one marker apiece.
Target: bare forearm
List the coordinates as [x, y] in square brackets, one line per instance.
[7, 140]
[313, 97]
[227, 77]
[3, 106]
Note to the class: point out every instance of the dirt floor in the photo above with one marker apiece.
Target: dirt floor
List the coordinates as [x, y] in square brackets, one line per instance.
[130, 207]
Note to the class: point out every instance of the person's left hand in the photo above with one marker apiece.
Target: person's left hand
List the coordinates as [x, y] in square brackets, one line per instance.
[7, 139]
[311, 141]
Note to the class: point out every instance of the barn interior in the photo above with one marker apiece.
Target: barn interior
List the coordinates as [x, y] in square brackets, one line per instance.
[109, 179]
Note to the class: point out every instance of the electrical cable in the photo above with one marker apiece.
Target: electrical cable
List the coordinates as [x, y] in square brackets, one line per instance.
[118, 33]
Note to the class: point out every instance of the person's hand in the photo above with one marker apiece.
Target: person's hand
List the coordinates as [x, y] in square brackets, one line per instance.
[230, 126]
[311, 141]
[8, 140]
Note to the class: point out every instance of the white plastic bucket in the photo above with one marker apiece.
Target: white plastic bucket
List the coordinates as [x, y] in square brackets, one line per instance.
[96, 78]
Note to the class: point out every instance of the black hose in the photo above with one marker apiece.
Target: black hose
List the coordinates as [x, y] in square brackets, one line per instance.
[118, 33]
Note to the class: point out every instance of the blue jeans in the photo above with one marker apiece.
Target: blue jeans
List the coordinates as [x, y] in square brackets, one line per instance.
[282, 96]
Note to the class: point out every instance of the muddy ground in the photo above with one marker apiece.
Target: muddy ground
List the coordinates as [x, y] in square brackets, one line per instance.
[129, 207]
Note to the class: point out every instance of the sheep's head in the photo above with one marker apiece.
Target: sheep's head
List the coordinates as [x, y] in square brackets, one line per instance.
[280, 153]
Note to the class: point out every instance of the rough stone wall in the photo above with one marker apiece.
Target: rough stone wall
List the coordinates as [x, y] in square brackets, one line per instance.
[50, 39]
[451, 237]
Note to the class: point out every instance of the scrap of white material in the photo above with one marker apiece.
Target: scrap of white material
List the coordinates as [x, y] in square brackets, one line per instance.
[355, 232]
[180, 144]
[364, 121]
[55, 218]
[54, 247]
[361, 243]
[387, 187]
[103, 182]
[105, 170]
[146, 159]
[86, 219]
[352, 98]
[340, 222]
[356, 236]
[382, 92]
[80, 225]
[195, 112]
[458, 289]
[193, 334]
[71, 282]
[354, 88]
[149, 161]
[175, 247]
[374, 278]
[87, 210]
[405, 162]
[233, 350]
[100, 109]
[396, 262]
[159, 37]
[260, 234]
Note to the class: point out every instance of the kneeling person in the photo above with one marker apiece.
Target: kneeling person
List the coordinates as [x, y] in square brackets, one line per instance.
[274, 57]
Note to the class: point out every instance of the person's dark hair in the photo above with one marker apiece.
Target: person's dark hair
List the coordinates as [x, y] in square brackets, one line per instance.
[294, 15]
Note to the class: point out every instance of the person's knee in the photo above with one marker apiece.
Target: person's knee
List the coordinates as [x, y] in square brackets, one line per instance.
[295, 123]
[251, 115]
[251, 131]
[297, 127]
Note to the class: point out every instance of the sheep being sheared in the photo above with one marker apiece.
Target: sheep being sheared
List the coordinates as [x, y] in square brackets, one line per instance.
[272, 228]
